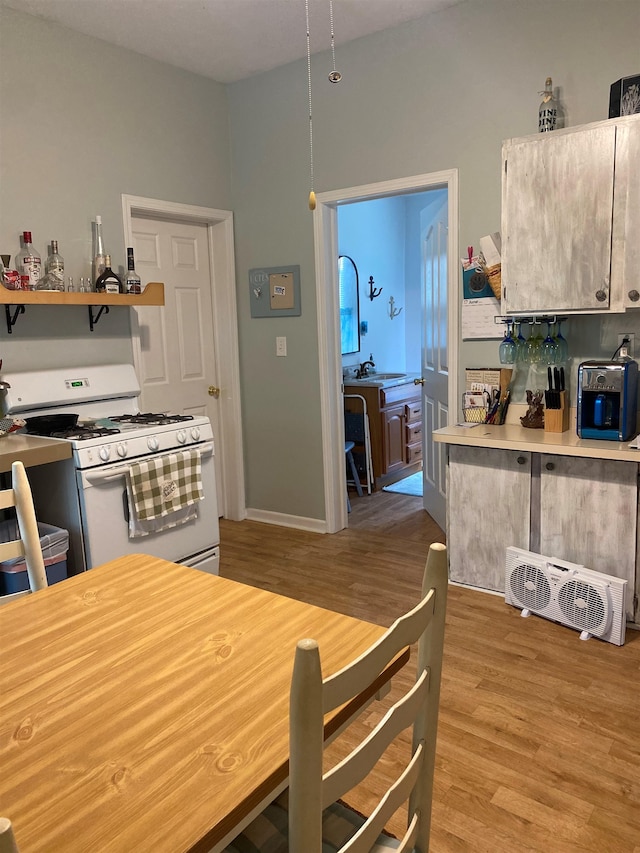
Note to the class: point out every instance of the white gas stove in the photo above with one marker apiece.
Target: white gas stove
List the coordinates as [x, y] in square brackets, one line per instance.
[105, 398]
[88, 494]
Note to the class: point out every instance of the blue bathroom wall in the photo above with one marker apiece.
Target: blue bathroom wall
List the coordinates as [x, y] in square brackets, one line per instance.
[384, 237]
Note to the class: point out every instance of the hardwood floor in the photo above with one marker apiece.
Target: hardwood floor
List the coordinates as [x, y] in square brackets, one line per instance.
[539, 732]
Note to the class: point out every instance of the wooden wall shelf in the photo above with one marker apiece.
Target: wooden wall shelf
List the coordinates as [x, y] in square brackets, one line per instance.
[153, 294]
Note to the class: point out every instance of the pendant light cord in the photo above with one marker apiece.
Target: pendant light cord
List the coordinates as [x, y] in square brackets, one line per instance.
[312, 197]
[333, 45]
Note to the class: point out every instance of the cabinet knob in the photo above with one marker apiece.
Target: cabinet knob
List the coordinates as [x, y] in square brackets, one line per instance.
[601, 295]
[521, 460]
[550, 466]
[634, 295]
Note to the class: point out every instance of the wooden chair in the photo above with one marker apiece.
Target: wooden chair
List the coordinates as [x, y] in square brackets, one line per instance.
[7, 838]
[315, 815]
[28, 545]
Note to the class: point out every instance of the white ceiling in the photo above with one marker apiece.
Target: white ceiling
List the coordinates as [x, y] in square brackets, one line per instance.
[227, 40]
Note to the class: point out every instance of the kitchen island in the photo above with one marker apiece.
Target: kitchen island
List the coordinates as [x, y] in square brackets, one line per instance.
[31, 450]
[551, 493]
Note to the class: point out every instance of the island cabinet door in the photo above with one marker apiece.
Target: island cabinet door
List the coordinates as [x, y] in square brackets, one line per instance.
[488, 510]
[589, 513]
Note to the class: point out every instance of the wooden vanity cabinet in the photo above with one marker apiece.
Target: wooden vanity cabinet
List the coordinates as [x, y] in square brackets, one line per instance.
[395, 423]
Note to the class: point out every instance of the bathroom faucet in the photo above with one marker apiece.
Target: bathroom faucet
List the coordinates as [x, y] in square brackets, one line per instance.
[363, 370]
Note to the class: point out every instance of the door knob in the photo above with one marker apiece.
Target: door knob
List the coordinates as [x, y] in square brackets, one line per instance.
[418, 381]
[213, 391]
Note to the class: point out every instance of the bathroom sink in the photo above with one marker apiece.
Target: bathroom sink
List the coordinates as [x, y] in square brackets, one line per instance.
[382, 380]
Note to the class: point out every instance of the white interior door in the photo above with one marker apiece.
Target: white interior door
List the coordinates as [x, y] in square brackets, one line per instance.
[177, 351]
[435, 366]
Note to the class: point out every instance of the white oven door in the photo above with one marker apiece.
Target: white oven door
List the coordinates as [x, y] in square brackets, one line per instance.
[105, 519]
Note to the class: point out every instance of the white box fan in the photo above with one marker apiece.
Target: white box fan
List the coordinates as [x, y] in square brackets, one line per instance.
[591, 602]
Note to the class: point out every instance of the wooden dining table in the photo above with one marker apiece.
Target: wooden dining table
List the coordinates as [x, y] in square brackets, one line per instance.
[144, 705]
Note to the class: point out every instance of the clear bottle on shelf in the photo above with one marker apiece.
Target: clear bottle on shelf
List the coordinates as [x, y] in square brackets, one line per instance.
[548, 113]
[53, 278]
[131, 281]
[99, 256]
[108, 281]
[29, 261]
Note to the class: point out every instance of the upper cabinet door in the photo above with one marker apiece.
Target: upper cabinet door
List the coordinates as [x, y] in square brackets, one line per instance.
[557, 204]
[625, 256]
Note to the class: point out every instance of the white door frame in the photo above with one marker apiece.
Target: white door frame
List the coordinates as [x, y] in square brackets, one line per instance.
[330, 359]
[222, 274]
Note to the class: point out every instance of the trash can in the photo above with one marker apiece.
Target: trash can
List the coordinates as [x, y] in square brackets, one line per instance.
[55, 544]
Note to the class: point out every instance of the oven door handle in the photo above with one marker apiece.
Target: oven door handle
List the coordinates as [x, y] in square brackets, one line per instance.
[107, 476]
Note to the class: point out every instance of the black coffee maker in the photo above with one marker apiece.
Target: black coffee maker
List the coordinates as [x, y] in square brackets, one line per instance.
[607, 399]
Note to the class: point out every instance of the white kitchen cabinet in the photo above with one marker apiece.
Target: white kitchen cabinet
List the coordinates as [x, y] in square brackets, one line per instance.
[565, 507]
[488, 508]
[588, 515]
[570, 200]
[626, 246]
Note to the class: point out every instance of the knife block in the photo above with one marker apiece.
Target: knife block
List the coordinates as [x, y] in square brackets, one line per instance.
[557, 420]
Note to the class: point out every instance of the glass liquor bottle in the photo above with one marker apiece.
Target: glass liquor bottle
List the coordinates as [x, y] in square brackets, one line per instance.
[548, 111]
[29, 262]
[131, 282]
[99, 256]
[108, 281]
[54, 268]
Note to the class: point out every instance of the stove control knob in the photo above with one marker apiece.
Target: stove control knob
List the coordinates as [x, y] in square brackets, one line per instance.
[105, 453]
[153, 443]
[122, 450]
[181, 435]
[195, 433]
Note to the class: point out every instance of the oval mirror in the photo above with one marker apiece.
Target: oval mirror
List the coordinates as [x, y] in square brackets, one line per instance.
[349, 305]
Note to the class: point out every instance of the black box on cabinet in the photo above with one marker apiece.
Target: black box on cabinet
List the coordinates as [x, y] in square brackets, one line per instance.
[624, 97]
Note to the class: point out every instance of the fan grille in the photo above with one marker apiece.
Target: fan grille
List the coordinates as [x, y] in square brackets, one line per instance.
[582, 604]
[530, 586]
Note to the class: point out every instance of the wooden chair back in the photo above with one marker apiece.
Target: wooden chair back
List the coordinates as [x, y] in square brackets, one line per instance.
[28, 544]
[311, 791]
[7, 838]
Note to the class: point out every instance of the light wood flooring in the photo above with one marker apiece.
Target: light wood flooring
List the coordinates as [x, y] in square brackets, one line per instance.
[539, 732]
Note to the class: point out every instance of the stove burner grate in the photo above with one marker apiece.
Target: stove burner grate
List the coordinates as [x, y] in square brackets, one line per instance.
[82, 433]
[151, 418]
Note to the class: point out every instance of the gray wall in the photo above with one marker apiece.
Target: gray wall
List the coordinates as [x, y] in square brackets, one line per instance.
[82, 122]
[439, 93]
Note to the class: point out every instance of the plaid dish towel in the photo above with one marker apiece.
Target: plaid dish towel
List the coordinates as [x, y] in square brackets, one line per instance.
[163, 491]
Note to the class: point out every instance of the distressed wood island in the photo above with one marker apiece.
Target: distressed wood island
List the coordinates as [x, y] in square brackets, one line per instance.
[551, 493]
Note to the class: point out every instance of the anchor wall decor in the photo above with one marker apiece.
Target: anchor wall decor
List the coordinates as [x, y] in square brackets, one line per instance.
[373, 291]
[393, 311]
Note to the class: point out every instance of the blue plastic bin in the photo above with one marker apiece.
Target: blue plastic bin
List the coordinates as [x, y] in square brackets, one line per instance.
[55, 544]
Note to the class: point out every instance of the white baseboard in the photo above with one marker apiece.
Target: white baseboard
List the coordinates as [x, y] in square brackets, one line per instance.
[313, 525]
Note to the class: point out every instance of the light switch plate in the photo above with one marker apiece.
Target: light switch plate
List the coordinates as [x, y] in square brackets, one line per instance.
[275, 291]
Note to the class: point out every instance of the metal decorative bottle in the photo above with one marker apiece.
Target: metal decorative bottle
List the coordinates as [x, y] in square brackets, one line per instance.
[548, 111]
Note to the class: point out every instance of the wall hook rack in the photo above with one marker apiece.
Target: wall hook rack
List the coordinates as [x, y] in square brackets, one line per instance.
[373, 291]
[393, 311]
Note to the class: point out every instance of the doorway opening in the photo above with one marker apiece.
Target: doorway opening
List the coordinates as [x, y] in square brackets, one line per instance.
[436, 357]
